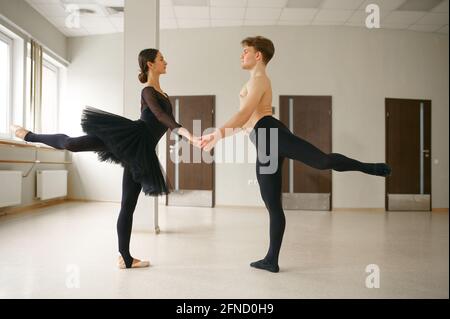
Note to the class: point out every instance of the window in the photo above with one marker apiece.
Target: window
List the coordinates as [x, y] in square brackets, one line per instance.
[50, 97]
[5, 84]
[51, 84]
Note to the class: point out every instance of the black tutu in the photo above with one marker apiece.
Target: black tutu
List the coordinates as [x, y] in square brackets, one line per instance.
[129, 143]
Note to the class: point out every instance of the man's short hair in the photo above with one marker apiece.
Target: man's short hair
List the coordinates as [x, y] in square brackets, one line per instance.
[261, 44]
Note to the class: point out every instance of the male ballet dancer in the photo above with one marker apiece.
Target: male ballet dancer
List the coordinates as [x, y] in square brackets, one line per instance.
[274, 142]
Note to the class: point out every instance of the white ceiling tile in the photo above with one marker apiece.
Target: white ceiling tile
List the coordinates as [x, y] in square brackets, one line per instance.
[119, 29]
[266, 3]
[395, 26]
[166, 12]
[262, 13]
[358, 17]
[101, 30]
[419, 5]
[168, 24]
[95, 22]
[74, 32]
[355, 24]
[193, 23]
[99, 10]
[51, 10]
[341, 4]
[227, 13]
[386, 6]
[402, 17]
[229, 3]
[298, 14]
[443, 30]
[304, 4]
[226, 23]
[190, 13]
[109, 3]
[57, 21]
[333, 15]
[44, 1]
[260, 22]
[442, 7]
[190, 3]
[294, 22]
[424, 27]
[117, 22]
[318, 22]
[434, 18]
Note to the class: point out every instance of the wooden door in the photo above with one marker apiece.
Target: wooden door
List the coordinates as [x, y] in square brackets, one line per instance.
[193, 180]
[408, 152]
[308, 117]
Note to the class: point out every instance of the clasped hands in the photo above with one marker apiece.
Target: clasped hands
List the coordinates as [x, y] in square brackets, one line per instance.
[206, 142]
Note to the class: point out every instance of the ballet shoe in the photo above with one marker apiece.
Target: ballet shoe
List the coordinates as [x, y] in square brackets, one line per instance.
[136, 263]
[19, 131]
[264, 265]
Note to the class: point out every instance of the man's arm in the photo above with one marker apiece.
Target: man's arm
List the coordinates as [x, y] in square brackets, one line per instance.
[255, 91]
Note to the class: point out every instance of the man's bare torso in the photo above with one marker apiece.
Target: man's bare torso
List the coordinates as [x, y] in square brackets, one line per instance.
[263, 108]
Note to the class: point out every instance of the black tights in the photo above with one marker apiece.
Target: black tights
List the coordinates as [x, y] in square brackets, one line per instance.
[130, 189]
[270, 184]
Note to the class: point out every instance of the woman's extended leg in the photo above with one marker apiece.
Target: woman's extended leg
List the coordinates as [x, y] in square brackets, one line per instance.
[63, 142]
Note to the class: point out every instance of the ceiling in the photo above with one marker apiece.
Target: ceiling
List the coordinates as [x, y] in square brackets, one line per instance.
[416, 15]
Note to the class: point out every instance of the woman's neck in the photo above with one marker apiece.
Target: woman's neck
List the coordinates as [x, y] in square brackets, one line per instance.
[154, 81]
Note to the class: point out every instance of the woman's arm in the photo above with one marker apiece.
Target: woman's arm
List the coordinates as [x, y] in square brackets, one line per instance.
[166, 119]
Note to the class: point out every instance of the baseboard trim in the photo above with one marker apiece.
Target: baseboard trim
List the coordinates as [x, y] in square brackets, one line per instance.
[359, 209]
[7, 211]
[440, 210]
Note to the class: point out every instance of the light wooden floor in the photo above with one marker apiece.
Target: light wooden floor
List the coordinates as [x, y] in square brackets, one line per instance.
[69, 251]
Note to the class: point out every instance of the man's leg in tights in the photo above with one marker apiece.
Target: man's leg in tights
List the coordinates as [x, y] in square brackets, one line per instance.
[296, 148]
[130, 195]
[270, 188]
[63, 142]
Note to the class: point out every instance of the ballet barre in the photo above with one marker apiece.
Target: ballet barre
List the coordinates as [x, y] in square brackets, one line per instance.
[28, 145]
[36, 160]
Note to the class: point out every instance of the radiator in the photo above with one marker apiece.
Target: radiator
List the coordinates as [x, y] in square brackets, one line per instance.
[10, 188]
[51, 184]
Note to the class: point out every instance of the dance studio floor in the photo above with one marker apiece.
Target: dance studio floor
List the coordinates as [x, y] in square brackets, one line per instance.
[69, 251]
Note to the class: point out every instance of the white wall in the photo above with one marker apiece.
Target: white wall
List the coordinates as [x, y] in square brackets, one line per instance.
[359, 68]
[94, 78]
[24, 16]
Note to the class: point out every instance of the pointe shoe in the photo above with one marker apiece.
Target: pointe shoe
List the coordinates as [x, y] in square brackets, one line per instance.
[136, 263]
[19, 131]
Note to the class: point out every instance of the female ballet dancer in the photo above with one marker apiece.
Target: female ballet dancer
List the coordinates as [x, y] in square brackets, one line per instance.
[274, 142]
[131, 143]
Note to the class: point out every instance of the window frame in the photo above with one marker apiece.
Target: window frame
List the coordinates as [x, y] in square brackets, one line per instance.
[10, 42]
[47, 61]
